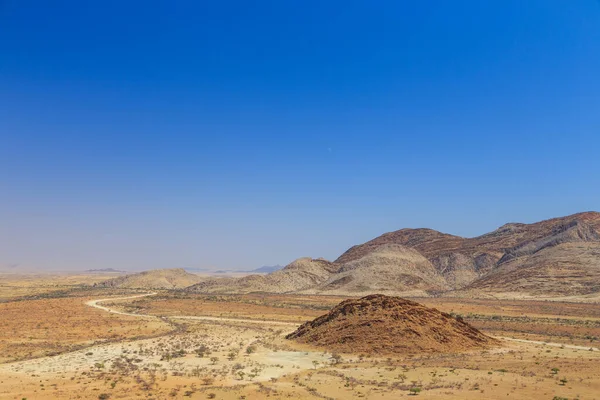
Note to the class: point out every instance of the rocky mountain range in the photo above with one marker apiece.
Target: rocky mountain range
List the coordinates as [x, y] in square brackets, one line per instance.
[552, 258]
[556, 257]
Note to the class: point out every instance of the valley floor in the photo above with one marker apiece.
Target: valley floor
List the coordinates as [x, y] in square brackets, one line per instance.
[170, 345]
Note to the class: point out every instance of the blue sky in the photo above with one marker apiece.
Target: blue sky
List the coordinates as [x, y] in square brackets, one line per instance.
[233, 135]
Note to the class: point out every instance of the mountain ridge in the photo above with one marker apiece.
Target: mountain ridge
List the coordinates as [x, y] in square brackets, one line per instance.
[174, 278]
[555, 257]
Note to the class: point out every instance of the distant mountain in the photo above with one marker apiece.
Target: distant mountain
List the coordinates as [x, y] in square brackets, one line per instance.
[112, 270]
[261, 270]
[267, 269]
[10, 267]
[199, 270]
[176, 278]
[556, 257]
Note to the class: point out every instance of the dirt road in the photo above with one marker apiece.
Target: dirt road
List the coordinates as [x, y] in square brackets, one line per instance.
[96, 304]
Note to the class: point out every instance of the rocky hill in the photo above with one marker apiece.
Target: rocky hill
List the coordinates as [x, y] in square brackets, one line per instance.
[566, 269]
[556, 256]
[379, 324]
[176, 278]
[301, 274]
[388, 268]
[455, 258]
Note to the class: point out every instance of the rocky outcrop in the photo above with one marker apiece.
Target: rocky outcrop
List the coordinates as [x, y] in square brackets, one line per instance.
[379, 324]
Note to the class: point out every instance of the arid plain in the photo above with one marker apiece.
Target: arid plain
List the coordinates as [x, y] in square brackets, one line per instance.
[55, 343]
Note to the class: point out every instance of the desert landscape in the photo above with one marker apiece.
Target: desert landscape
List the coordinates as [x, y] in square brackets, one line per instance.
[236, 200]
[510, 314]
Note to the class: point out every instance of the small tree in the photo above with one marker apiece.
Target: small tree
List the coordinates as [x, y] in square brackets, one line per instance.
[202, 351]
[415, 390]
[196, 371]
[336, 358]
[255, 371]
[563, 381]
[315, 363]
[214, 360]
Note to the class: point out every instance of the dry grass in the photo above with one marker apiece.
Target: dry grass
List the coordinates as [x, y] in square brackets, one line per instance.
[252, 360]
[247, 306]
[37, 328]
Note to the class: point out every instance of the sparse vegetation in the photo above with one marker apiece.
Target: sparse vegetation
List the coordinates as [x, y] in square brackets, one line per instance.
[236, 360]
[415, 390]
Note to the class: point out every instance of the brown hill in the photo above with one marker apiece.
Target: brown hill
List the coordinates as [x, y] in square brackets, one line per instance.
[299, 275]
[379, 324]
[176, 278]
[567, 269]
[388, 268]
[455, 258]
[469, 262]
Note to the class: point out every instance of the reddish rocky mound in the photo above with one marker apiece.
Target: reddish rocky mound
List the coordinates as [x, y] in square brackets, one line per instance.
[379, 324]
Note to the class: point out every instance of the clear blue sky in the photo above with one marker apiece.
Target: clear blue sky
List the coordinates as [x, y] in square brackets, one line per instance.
[237, 134]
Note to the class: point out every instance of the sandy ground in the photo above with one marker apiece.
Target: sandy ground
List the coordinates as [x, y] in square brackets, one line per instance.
[566, 346]
[247, 357]
[228, 364]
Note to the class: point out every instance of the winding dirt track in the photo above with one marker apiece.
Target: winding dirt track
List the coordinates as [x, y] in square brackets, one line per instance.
[567, 346]
[95, 304]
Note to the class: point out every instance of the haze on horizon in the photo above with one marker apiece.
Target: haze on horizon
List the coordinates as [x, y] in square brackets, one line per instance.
[151, 135]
